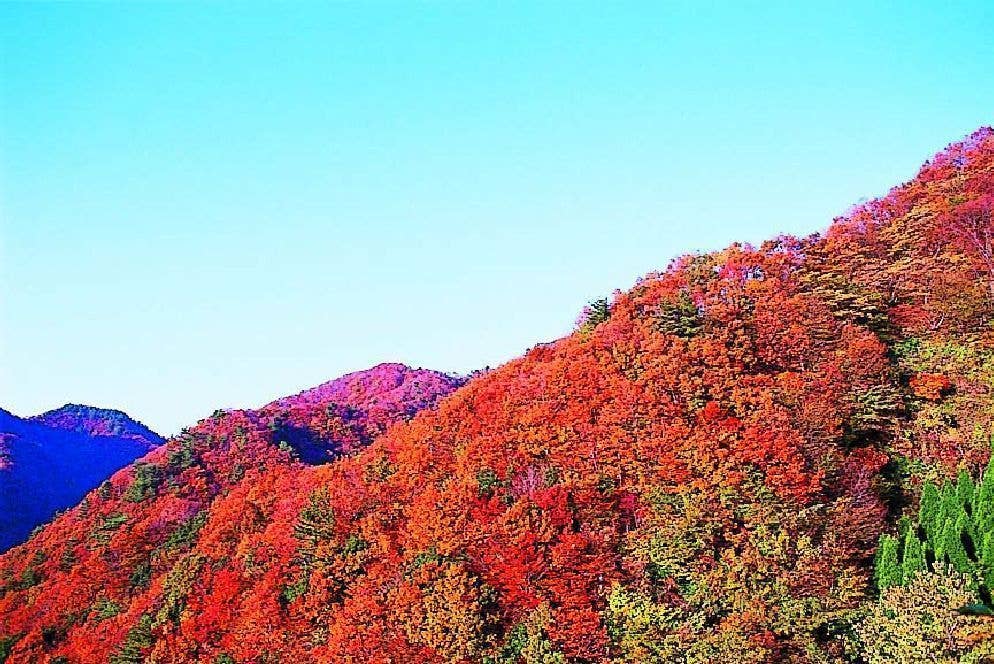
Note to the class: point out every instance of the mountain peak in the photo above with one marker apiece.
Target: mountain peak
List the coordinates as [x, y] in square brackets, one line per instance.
[96, 421]
[388, 382]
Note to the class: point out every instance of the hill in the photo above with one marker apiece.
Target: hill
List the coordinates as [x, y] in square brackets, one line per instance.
[49, 462]
[701, 472]
[98, 422]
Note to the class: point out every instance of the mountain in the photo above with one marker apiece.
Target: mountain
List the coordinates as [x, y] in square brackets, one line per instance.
[701, 472]
[49, 462]
[98, 422]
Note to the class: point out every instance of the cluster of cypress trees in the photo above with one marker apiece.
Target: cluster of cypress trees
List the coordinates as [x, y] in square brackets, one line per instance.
[954, 530]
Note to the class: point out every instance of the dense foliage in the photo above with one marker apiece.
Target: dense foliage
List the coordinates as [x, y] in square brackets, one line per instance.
[701, 473]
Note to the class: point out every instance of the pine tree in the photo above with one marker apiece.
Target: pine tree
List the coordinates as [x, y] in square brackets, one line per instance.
[954, 549]
[928, 513]
[912, 556]
[964, 489]
[888, 569]
[986, 556]
[315, 524]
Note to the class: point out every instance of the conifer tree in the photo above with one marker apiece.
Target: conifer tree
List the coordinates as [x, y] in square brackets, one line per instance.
[928, 511]
[985, 554]
[912, 556]
[888, 570]
[955, 551]
[964, 489]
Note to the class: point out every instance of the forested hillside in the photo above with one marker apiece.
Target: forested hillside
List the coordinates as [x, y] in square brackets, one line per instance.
[761, 454]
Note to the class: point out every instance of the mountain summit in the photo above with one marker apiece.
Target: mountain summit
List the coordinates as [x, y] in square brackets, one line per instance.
[701, 472]
[98, 422]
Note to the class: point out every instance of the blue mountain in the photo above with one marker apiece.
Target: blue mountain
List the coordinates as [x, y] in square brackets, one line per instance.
[50, 461]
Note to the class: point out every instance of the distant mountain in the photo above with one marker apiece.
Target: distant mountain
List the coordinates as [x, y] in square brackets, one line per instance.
[98, 422]
[49, 462]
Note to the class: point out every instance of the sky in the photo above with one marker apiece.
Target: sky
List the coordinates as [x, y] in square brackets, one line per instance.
[213, 205]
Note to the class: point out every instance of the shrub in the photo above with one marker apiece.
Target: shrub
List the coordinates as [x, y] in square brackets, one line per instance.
[919, 622]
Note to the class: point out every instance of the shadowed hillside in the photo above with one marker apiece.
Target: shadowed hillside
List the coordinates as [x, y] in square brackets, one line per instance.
[49, 462]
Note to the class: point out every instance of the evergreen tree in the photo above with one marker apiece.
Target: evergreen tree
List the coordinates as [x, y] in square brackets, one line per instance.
[679, 316]
[985, 554]
[888, 569]
[928, 511]
[912, 556]
[964, 489]
[955, 551]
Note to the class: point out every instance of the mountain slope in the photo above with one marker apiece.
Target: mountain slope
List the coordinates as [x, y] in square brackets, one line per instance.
[49, 462]
[149, 513]
[699, 473]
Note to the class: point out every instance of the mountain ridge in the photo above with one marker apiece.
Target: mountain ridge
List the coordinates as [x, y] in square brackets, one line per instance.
[48, 462]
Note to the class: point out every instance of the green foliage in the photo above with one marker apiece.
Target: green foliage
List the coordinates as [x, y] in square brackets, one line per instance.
[186, 533]
[141, 576]
[176, 588]
[181, 456]
[913, 556]
[487, 482]
[354, 544]
[105, 608]
[68, 557]
[107, 526]
[955, 529]
[316, 521]
[510, 651]
[7, 644]
[528, 643]
[294, 590]
[29, 578]
[146, 480]
[929, 510]
[425, 558]
[679, 316]
[887, 571]
[640, 629]
[595, 313]
[964, 488]
[138, 640]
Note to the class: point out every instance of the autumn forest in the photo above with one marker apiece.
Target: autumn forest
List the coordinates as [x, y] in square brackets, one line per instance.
[773, 453]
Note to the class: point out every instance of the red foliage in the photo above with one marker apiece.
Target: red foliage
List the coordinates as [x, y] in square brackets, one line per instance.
[931, 386]
[743, 403]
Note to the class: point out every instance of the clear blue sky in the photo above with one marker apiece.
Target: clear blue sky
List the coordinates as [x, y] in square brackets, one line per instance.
[213, 205]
